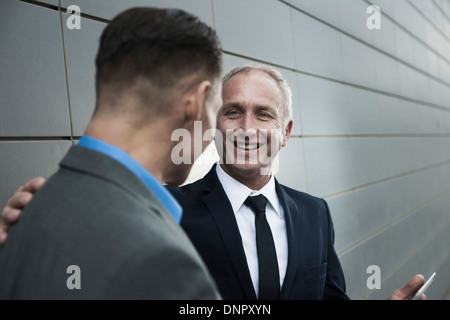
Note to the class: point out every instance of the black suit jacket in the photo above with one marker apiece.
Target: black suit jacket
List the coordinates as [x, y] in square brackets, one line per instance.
[313, 271]
[96, 214]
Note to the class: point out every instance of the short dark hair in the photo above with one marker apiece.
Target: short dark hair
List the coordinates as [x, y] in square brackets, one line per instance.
[161, 45]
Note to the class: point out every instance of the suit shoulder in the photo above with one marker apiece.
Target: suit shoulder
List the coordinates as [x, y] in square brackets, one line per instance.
[301, 196]
[311, 205]
[186, 192]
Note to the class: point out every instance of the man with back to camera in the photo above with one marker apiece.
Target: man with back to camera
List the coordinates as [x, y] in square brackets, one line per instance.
[105, 210]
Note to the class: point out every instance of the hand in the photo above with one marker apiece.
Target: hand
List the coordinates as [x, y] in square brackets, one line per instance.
[13, 208]
[409, 289]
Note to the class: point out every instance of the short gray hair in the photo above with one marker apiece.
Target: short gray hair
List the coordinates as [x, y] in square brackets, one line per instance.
[275, 75]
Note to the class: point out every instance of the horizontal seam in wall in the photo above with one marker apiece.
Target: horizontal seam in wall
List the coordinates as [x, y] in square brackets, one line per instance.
[393, 222]
[64, 10]
[88, 16]
[374, 135]
[35, 139]
[41, 4]
[408, 256]
[396, 176]
[337, 136]
[424, 103]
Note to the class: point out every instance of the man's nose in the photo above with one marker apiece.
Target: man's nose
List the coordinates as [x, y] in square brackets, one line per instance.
[248, 124]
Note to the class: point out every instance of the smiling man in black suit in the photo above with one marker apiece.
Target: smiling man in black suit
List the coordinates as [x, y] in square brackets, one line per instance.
[296, 259]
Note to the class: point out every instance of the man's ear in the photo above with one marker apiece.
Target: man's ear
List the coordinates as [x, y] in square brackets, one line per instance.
[287, 133]
[195, 99]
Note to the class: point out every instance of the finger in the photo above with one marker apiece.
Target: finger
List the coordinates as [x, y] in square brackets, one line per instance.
[24, 194]
[10, 216]
[18, 200]
[3, 236]
[423, 297]
[411, 287]
[33, 185]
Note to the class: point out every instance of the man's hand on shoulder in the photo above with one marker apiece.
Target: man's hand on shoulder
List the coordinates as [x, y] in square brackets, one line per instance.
[13, 207]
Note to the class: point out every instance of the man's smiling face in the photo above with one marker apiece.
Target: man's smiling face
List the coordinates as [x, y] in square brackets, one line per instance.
[251, 123]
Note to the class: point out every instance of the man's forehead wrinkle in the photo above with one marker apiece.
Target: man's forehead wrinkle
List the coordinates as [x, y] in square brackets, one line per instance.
[245, 89]
[254, 106]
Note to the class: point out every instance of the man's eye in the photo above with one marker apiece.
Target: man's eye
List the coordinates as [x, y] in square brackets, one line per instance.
[232, 113]
[264, 115]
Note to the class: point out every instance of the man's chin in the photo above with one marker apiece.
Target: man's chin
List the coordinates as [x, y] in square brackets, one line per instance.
[249, 169]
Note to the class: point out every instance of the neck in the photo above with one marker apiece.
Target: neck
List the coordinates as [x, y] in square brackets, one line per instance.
[251, 178]
[147, 144]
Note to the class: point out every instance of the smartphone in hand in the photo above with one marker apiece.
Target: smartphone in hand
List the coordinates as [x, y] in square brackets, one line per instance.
[422, 289]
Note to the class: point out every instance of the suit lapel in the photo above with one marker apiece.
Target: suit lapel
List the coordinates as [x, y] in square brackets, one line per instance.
[222, 213]
[291, 214]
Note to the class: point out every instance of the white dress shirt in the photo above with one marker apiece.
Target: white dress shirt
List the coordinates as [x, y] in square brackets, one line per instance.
[245, 217]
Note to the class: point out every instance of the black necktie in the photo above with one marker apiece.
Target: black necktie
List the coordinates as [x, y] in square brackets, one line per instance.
[269, 277]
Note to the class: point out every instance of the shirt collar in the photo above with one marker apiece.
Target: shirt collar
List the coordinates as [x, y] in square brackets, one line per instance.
[168, 201]
[238, 192]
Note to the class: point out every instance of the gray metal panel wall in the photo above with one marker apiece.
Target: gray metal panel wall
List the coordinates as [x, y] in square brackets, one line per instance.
[371, 112]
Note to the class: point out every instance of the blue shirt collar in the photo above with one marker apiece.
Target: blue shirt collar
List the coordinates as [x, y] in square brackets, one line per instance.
[143, 174]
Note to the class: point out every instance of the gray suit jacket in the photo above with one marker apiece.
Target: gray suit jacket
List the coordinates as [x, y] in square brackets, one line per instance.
[96, 214]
